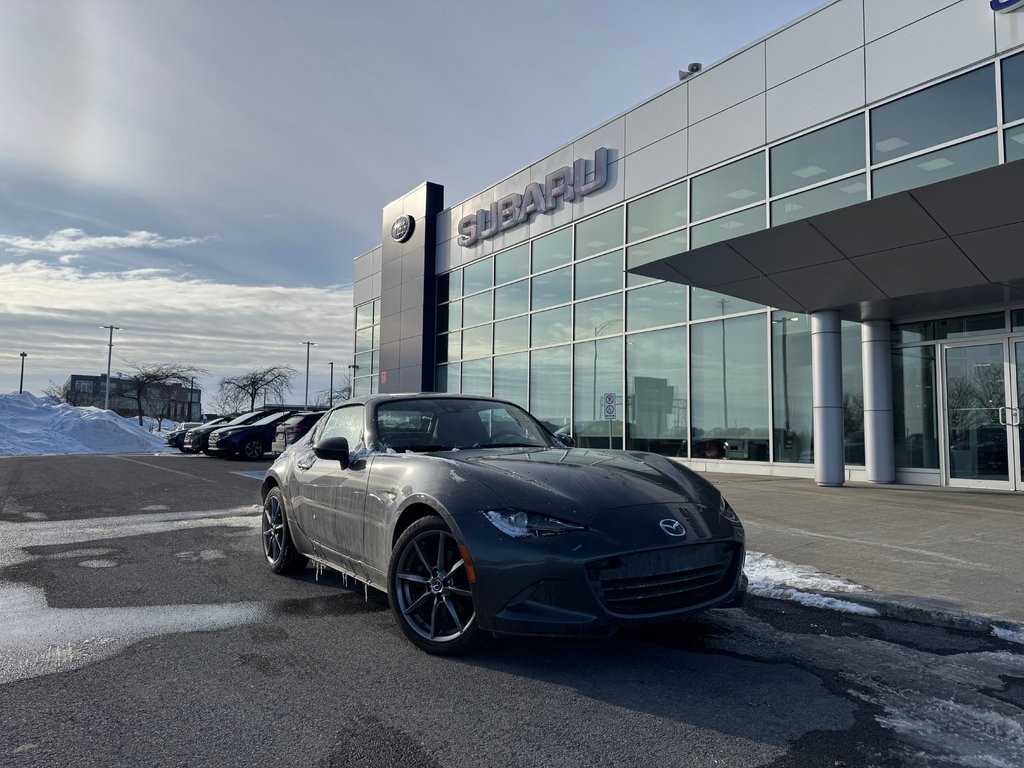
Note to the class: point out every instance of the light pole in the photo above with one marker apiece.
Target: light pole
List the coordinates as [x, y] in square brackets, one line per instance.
[21, 383]
[308, 345]
[330, 392]
[110, 351]
[352, 368]
[191, 395]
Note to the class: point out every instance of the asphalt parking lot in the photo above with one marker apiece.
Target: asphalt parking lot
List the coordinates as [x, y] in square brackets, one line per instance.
[141, 627]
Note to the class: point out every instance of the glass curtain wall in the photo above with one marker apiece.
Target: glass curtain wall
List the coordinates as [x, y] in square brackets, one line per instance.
[656, 392]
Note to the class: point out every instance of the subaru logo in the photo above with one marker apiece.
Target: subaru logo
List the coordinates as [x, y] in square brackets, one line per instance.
[1005, 6]
[672, 527]
[401, 230]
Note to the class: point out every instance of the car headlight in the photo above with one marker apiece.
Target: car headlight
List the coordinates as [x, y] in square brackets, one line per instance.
[727, 512]
[528, 525]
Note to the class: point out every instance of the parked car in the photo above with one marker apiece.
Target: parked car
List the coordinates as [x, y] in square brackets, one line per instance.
[176, 437]
[474, 519]
[196, 439]
[292, 429]
[250, 441]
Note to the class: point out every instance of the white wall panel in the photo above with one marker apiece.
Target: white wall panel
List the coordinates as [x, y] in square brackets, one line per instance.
[815, 97]
[1009, 30]
[656, 164]
[817, 39]
[727, 134]
[884, 16]
[611, 135]
[656, 119]
[443, 257]
[726, 84]
[952, 38]
[612, 193]
[443, 226]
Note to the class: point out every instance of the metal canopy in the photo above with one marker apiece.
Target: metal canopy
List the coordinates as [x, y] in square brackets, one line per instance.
[953, 246]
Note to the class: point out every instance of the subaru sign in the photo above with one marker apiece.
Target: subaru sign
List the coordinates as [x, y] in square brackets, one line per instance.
[1005, 6]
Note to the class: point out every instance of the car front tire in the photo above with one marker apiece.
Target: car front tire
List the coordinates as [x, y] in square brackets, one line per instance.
[278, 547]
[252, 450]
[429, 590]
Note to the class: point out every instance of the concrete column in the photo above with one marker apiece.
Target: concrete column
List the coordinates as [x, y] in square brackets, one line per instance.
[827, 395]
[876, 355]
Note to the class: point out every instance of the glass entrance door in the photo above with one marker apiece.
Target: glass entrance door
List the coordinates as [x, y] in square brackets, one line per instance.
[983, 390]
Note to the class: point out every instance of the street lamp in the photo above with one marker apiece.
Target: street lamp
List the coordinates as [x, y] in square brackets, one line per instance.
[330, 392]
[110, 351]
[352, 368]
[21, 383]
[191, 395]
[308, 345]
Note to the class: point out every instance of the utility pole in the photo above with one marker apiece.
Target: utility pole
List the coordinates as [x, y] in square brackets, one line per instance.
[308, 345]
[110, 351]
[21, 383]
[330, 393]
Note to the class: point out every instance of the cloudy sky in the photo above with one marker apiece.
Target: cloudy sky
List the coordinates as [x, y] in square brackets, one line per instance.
[202, 172]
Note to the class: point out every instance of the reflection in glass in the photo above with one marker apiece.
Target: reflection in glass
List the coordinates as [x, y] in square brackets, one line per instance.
[1013, 89]
[599, 275]
[455, 314]
[653, 305]
[476, 342]
[599, 233]
[552, 327]
[511, 299]
[728, 227]
[364, 315]
[510, 335]
[705, 303]
[940, 165]
[853, 394]
[1017, 319]
[550, 382]
[659, 212]
[598, 317]
[656, 249]
[448, 378]
[478, 276]
[729, 396]
[476, 377]
[364, 339]
[914, 409]
[949, 328]
[598, 370]
[552, 250]
[476, 309]
[551, 288]
[1019, 360]
[1014, 143]
[512, 264]
[975, 410]
[935, 115]
[656, 389]
[816, 156]
[731, 186]
[361, 386]
[511, 376]
[830, 197]
[791, 387]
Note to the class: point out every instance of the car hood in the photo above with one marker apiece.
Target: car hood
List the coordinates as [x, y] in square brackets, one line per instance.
[576, 484]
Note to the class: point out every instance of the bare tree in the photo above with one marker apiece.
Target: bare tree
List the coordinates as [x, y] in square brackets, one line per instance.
[65, 393]
[275, 381]
[223, 402]
[342, 392]
[149, 379]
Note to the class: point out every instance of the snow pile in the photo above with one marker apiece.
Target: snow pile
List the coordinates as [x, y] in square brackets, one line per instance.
[32, 427]
[778, 579]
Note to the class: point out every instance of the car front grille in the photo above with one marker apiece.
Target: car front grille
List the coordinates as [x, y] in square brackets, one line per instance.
[665, 579]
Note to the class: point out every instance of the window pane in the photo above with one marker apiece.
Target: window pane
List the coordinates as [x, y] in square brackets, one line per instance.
[827, 198]
[476, 342]
[957, 107]
[510, 335]
[550, 288]
[936, 166]
[656, 392]
[552, 327]
[599, 317]
[1015, 143]
[552, 250]
[362, 363]
[733, 225]
[704, 303]
[455, 345]
[476, 309]
[364, 315]
[1017, 319]
[477, 276]
[550, 382]
[791, 387]
[599, 233]
[511, 299]
[510, 377]
[820, 155]
[853, 394]
[656, 249]
[598, 370]
[729, 371]
[659, 212]
[914, 414]
[1013, 88]
[455, 315]
[441, 354]
[476, 377]
[599, 275]
[443, 288]
[364, 339]
[448, 378]
[731, 186]
[512, 264]
[361, 386]
[660, 304]
[455, 284]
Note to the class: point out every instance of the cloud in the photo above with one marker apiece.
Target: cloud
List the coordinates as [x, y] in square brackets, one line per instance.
[64, 240]
[53, 313]
[69, 258]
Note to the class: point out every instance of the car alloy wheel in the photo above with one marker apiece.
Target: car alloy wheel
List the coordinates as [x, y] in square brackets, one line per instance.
[430, 591]
[252, 450]
[277, 539]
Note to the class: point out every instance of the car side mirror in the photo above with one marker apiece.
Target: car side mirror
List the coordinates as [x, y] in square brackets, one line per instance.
[567, 441]
[333, 449]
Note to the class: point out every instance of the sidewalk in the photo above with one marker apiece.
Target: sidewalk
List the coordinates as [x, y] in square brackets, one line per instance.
[937, 549]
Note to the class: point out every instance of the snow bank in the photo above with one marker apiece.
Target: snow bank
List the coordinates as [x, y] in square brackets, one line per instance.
[32, 427]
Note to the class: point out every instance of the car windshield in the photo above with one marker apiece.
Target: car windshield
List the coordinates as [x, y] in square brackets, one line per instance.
[444, 424]
[268, 419]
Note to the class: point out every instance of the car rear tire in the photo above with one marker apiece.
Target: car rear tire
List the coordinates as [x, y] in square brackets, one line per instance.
[429, 590]
[252, 450]
[278, 547]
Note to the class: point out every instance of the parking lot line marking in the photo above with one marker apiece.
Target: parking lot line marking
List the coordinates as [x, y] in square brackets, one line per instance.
[257, 474]
[163, 469]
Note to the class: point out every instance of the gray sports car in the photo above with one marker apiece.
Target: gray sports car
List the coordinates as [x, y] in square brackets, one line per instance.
[475, 519]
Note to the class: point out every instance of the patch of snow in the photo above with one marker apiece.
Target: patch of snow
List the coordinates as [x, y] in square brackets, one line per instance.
[813, 600]
[1012, 633]
[97, 564]
[765, 571]
[457, 477]
[30, 426]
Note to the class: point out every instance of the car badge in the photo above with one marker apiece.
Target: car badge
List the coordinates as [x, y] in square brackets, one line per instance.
[672, 527]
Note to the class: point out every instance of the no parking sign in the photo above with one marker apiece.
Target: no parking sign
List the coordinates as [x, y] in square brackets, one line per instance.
[608, 405]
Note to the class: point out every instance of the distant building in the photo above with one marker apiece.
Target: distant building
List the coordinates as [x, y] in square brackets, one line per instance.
[169, 401]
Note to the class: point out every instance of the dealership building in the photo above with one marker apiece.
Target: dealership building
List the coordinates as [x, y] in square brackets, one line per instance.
[806, 259]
